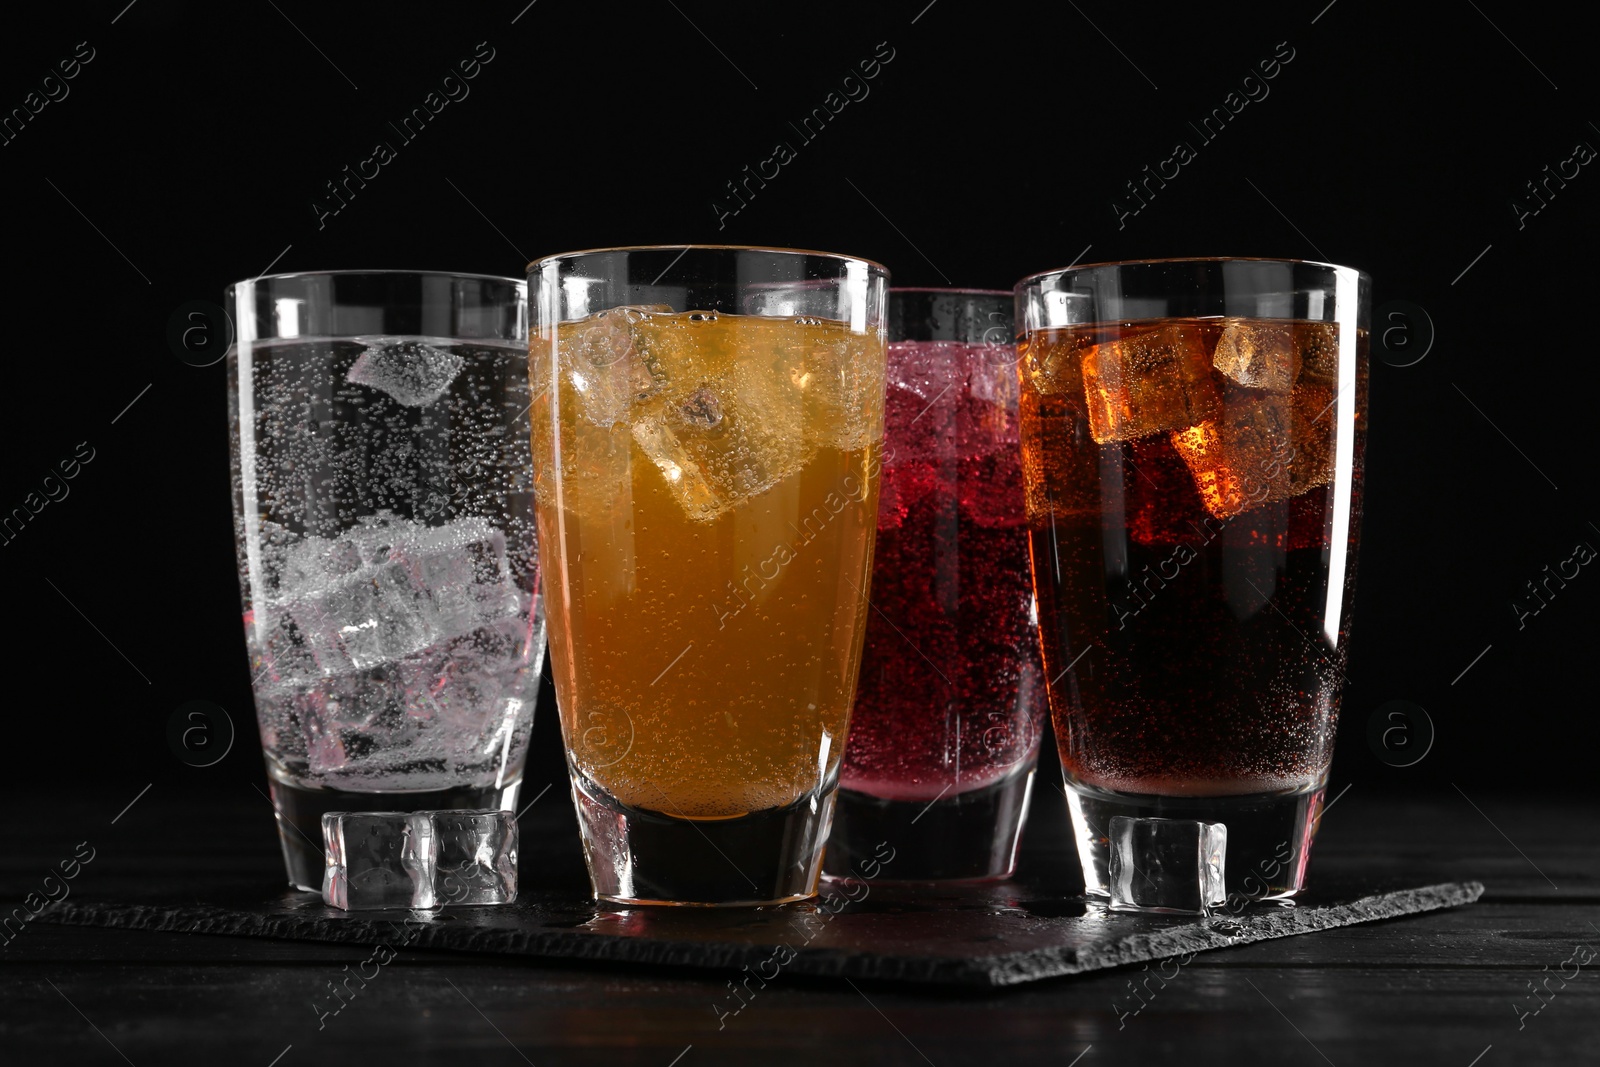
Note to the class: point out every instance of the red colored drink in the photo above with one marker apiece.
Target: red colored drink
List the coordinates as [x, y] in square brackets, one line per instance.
[950, 703]
[949, 696]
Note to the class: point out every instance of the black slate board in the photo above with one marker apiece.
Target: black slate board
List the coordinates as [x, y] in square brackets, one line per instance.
[974, 937]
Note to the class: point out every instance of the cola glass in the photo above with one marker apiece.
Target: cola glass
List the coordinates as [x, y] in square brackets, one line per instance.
[1192, 442]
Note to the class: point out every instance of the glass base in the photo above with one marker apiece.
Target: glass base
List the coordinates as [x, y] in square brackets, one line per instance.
[1268, 836]
[645, 857]
[970, 836]
[300, 811]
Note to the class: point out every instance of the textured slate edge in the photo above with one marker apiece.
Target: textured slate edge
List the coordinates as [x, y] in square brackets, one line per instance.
[1016, 968]
[983, 972]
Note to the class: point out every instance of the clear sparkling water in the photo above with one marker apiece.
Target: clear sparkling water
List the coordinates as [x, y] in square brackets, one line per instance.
[390, 575]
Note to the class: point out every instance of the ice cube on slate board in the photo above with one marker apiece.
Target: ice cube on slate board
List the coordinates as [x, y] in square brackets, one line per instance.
[1167, 864]
[419, 859]
[477, 857]
[378, 859]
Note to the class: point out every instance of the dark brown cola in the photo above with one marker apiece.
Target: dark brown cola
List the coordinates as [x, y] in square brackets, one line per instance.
[1193, 500]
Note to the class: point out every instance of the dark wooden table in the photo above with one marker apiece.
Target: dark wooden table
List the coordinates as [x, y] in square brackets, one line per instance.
[1445, 987]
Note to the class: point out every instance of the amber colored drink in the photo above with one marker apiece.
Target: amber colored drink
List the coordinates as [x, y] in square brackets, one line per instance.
[1181, 480]
[707, 489]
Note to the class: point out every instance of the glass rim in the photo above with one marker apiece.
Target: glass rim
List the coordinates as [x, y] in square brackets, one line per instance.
[872, 264]
[1076, 267]
[387, 270]
[953, 290]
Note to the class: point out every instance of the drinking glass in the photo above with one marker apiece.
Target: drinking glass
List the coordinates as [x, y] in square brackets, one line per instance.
[950, 708]
[1192, 435]
[707, 425]
[383, 506]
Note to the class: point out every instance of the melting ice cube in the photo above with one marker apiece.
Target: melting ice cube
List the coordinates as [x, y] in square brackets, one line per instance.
[1148, 381]
[386, 590]
[413, 372]
[840, 385]
[1061, 477]
[1053, 364]
[1240, 458]
[1318, 344]
[419, 859]
[607, 363]
[682, 473]
[1260, 355]
[476, 857]
[379, 859]
[1263, 448]
[728, 421]
[378, 616]
[1177, 865]
[1314, 419]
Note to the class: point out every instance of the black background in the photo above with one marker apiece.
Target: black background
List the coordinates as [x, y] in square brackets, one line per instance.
[189, 151]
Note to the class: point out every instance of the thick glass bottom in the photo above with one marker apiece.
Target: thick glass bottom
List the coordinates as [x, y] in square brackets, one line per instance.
[645, 857]
[970, 836]
[300, 810]
[1268, 836]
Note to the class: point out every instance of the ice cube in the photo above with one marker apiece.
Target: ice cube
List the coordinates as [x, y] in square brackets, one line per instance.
[1153, 379]
[1061, 473]
[722, 407]
[727, 423]
[383, 591]
[1172, 865]
[1315, 415]
[460, 568]
[476, 857]
[702, 409]
[752, 447]
[992, 373]
[1054, 363]
[682, 473]
[1241, 458]
[471, 674]
[606, 363]
[440, 574]
[841, 383]
[310, 564]
[928, 369]
[1318, 346]
[989, 479]
[413, 372]
[379, 859]
[381, 615]
[374, 536]
[1260, 355]
[288, 659]
[324, 743]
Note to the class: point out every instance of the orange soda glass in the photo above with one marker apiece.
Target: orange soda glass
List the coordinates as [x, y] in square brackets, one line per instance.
[707, 429]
